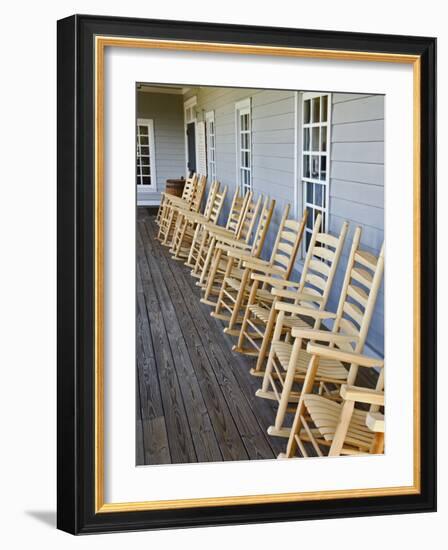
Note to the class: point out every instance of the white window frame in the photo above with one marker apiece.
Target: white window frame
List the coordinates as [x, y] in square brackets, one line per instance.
[211, 144]
[190, 116]
[149, 123]
[243, 108]
[309, 154]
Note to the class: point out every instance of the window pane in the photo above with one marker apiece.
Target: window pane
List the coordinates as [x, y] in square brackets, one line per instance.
[316, 109]
[309, 193]
[145, 170]
[315, 144]
[306, 139]
[138, 170]
[324, 107]
[306, 166]
[144, 150]
[307, 239]
[144, 160]
[323, 168]
[146, 180]
[314, 167]
[243, 119]
[318, 194]
[143, 140]
[143, 130]
[323, 138]
[306, 112]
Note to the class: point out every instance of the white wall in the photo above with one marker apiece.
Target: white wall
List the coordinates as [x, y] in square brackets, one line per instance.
[28, 277]
[167, 113]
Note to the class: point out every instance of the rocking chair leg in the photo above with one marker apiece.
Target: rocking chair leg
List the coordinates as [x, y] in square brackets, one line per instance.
[266, 340]
[239, 299]
[287, 386]
[211, 275]
[307, 387]
[208, 259]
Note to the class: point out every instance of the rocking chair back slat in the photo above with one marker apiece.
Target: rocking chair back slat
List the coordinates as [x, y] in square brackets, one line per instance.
[189, 187]
[248, 219]
[198, 194]
[237, 209]
[210, 203]
[263, 225]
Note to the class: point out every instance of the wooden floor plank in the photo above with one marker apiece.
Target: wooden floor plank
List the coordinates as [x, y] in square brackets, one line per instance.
[197, 324]
[180, 441]
[265, 410]
[154, 431]
[227, 437]
[201, 429]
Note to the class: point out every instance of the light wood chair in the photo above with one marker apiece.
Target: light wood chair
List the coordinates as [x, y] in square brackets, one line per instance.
[201, 246]
[311, 293]
[216, 262]
[191, 224]
[236, 283]
[167, 228]
[333, 428]
[167, 199]
[287, 362]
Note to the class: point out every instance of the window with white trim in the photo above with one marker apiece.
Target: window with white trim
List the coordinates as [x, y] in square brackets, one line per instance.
[244, 144]
[211, 145]
[316, 112]
[145, 173]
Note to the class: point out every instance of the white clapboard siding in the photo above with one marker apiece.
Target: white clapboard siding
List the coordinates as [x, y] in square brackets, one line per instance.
[357, 185]
[166, 110]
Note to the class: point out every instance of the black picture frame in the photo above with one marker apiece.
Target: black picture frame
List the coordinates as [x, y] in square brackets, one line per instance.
[76, 225]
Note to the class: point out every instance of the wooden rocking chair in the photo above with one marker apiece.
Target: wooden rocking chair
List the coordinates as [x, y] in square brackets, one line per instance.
[287, 363]
[311, 292]
[216, 262]
[201, 248]
[190, 224]
[333, 428]
[168, 199]
[236, 284]
[167, 228]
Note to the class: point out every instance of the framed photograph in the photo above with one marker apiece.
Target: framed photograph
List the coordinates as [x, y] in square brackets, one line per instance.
[246, 274]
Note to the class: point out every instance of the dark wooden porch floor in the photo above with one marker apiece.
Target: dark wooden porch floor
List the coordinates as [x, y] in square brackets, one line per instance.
[195, 397]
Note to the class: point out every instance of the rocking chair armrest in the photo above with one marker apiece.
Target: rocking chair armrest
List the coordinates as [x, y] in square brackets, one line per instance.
[219, 231]
[322, 335]
[344, 356]
[245, 256]
[196, 217]
[228, 249]
[375, 421]
[213, 227]
[362, 395]
[294, 295]
[175, 200]
[184, 207]
[264, 268]
[273, 281]
[308, 312]
[233, 244]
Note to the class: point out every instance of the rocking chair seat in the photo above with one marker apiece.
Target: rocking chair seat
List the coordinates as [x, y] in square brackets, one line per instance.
[326, 414]
[328, 369]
